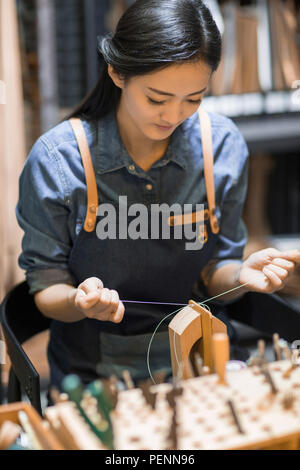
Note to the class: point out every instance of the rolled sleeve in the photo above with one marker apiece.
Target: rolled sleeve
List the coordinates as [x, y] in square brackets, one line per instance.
[42, 212]
[233, 236]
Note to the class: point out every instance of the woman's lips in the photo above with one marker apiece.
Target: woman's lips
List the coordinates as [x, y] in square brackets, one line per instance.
[164, 128]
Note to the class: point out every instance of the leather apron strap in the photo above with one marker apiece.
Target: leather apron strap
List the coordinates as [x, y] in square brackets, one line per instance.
[92, 193]
[208, 157]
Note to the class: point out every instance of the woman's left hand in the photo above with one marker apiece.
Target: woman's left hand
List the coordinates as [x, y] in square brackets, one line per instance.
[267, 270]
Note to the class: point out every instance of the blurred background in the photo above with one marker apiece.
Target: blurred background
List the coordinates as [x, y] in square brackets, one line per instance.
[48, 63]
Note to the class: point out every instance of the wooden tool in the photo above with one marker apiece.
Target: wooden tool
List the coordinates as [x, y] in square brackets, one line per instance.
[193, 324]
[221, 355]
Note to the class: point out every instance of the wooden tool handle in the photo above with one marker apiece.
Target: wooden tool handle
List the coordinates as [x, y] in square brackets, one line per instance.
[221, 355]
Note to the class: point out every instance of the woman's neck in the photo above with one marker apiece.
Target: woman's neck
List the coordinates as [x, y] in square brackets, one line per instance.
[143, 151]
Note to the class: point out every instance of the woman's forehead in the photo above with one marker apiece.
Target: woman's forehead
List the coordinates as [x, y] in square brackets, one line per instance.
[184, 79]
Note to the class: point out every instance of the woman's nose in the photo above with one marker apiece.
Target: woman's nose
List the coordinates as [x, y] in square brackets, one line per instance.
[172, 116]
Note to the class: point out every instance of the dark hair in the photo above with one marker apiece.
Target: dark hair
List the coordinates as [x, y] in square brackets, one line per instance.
[151, 34]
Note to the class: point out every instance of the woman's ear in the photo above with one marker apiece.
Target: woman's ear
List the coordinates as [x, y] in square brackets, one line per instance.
[118, 81]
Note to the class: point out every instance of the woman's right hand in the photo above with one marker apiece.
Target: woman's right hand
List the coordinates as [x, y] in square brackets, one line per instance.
[97, 302]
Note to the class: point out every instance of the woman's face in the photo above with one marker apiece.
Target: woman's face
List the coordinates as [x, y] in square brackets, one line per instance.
[179, 91]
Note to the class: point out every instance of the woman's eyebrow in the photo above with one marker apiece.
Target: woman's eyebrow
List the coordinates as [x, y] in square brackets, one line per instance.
[170, 94]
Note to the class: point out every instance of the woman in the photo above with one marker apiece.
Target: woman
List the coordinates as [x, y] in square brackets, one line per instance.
[144, 135]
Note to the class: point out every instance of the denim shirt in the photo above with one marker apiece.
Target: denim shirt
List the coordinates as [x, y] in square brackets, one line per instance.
[52, 190]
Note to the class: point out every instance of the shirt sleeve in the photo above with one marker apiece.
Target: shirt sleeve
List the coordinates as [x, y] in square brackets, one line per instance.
[42, 212]
[233, 236]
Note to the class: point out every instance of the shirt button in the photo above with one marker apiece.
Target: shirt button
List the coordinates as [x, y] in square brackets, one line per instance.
[149, 187]
[131, 167]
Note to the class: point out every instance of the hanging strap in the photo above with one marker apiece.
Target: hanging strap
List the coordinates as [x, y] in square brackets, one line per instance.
[208, 158]
[92, 193]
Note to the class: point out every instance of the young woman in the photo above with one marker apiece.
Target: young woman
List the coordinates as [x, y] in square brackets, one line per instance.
[147, 145]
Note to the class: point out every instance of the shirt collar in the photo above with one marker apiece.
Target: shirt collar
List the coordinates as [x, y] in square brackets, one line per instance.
[112, 155]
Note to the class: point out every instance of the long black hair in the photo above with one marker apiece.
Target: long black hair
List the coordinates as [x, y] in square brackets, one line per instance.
[151, 34]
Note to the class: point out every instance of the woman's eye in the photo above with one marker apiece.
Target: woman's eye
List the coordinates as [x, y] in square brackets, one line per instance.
[162, 102]
[155, 102]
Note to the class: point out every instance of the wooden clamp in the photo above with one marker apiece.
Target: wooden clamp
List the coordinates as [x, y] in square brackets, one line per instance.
[192, 324]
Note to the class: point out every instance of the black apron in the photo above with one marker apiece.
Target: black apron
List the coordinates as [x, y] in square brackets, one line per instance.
[150, 270]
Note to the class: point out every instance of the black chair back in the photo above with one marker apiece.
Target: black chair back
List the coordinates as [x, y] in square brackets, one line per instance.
[21, 320]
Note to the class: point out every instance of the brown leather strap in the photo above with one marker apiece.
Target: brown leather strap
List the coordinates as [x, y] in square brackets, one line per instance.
[92, 193]
[208, 168]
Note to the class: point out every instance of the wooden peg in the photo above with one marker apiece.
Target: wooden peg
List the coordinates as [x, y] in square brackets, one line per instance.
[288, 401]
[111, 388]
[292, 357]
[235, 416]
[221, 355]
[276, 347]
[56, 396]
[265, 371]
[149, 396]
[172, 437]
[258, 359]
[172, 394]
[287, 354]
[261, 348]
[295, 356]
[127, 379]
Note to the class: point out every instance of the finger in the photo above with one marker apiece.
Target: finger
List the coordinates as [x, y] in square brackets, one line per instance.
[118, 316]
[281, 273]
[91, 284]
[105, 297]
[87, 301]
[114, 300]
[283, 263]
[273, 278]
[291, 255]
[270, 253]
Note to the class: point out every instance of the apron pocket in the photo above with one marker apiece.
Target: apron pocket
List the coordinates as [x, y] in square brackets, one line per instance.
[119, 352]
